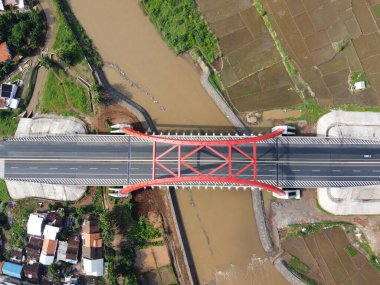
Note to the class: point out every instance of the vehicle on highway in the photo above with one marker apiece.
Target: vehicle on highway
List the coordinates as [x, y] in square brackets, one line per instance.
[289, 194]
[367, 156]
[288, 130]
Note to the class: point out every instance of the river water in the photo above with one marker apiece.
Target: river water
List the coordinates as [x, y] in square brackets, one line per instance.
[219, 225]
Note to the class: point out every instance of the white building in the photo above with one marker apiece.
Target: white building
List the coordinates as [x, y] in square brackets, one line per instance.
[48, 251]
[93, 267]
[35, 224]
[17, 3]
[360, 85]
[51, 232]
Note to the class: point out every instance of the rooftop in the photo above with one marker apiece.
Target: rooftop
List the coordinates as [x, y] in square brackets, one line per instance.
[90, 225]
[93, 267]
[92, 240]
[35, 223]
[50, 232]
[5, 54]
[12, 269]
[49, 247]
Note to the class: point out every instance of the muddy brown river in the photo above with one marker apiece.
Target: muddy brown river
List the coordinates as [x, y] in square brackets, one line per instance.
[219, 225]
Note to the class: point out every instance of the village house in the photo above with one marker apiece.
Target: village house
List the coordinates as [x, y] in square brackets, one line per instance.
[32, 272]
[92, 249]
[33, 249]
[68, 251]
[48, 252]
[14, 3]
[35, 224]
[17, 255]
[11, 269]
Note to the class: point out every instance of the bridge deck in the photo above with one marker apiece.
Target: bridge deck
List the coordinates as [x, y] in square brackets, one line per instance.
[125, 160]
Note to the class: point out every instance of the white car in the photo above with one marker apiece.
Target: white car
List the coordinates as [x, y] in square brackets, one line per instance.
[288, 130]
[289, 194]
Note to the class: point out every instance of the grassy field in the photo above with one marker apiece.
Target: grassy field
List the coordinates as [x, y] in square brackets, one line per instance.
[181, 25]
[8, 123]
[4, 195]
[58, 85]
[53, 96]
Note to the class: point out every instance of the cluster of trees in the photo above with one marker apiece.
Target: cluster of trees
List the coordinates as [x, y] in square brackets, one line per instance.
[23, 32]
[180, 23]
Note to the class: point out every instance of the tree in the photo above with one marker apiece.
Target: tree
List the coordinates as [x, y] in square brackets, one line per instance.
[53, 270]
[97, 94]
[46, 62]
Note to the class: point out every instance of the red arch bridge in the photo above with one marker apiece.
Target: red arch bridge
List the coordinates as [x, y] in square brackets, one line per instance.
[138, 160]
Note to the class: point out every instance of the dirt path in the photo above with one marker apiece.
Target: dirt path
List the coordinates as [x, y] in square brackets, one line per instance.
[48, 9]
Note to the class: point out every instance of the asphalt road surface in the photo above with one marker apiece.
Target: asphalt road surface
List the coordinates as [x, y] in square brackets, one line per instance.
[279, 162]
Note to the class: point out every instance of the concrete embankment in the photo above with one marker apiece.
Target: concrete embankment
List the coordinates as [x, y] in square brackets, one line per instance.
[266, 239]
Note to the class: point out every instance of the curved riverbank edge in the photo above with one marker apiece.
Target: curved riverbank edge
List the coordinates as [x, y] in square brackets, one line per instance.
[141, 114]
[266, 239]
[219, 100]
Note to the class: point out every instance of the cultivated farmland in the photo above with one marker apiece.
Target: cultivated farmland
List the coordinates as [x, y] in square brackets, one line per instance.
[328, 259]
[252, 72]
[328, 40]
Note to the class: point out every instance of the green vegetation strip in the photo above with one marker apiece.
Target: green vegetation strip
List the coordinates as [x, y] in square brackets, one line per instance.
[311, 111]
[376, 9]
[70, 32]
[4, 194]
[181, 25]
[292, 71]
[301, 270]
[65, 44]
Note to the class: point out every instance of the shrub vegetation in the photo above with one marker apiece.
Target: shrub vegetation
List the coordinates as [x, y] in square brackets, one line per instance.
[67, 48]
[181, 25]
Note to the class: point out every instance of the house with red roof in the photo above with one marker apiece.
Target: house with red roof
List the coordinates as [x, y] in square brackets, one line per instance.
[5, 54]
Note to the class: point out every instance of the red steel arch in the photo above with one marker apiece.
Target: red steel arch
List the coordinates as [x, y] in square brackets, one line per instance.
[176, 143]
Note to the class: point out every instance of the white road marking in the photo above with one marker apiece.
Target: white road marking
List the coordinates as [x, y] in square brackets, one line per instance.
[315, 170]
[115, 168]
[375, 170]
[93, 168]
[336, 170]
[135, 168]
[355, 170]
[296, 170]
[14, 166]
[73, 168]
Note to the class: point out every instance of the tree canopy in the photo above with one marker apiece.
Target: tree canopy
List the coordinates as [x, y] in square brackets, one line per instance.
[23, 32]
